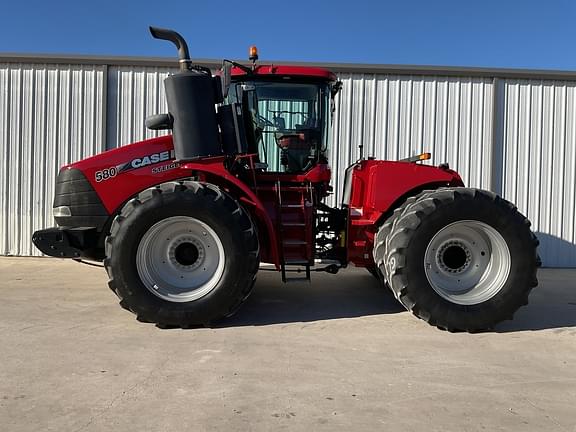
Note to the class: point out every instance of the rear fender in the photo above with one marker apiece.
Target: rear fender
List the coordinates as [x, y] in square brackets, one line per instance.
[379, 187]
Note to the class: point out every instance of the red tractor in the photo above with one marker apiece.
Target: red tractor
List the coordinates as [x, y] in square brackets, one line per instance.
[183, 221]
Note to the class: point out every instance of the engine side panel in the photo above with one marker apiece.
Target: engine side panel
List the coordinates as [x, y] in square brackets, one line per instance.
[118, 174]
[377, 188]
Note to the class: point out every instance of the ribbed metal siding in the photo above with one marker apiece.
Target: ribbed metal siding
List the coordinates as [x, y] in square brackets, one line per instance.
[50, 115]
[539, 162]
[134, 94]
[399, 116]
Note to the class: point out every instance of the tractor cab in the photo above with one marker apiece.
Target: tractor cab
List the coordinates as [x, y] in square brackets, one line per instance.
[287, 112]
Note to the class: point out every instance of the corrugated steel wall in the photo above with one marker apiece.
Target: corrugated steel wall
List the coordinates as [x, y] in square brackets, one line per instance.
[399, 116]
[538, 161]
[50, 115]
[54, 114]
[134, 94]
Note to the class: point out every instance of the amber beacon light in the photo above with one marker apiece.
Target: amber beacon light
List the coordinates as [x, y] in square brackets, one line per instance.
[253, 51]
[417, 158]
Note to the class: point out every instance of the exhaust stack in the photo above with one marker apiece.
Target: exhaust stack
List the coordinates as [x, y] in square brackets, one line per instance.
[176, 39]
[191, 95]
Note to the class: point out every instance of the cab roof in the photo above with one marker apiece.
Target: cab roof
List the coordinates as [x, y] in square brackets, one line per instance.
[270, 71]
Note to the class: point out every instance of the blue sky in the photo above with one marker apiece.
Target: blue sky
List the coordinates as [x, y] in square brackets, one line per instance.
[489, 33]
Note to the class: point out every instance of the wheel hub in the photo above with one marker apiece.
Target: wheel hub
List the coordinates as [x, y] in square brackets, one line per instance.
[186, 253]
[453, 256]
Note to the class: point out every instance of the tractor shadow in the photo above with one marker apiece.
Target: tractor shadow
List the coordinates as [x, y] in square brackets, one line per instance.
[351, 293]
[354, 293]
[552, 304]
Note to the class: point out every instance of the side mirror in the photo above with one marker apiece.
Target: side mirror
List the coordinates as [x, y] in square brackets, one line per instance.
[336, 87]
[226, 77]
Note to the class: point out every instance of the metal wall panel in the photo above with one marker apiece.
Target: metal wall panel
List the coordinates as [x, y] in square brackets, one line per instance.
[398, 116]
[134, 94]
[50, 115]
[538, 173]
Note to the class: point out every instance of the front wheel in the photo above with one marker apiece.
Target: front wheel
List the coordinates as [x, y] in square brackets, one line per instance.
[459, 258]
[182, 254]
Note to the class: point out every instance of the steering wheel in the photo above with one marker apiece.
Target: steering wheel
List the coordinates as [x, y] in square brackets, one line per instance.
[262, 121]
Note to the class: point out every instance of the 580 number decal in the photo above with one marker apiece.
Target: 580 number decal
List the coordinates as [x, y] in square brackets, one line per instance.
[137, 163]
[106, 174]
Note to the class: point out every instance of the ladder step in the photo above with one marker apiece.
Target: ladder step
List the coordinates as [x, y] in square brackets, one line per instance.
[284, 188]
[292, 206]
[293, 280]
[297, 262]
[297, 278]
[293, 224]
[294, 242]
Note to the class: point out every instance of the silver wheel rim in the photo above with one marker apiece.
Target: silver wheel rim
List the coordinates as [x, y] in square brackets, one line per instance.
[467, 262]
[180, 259]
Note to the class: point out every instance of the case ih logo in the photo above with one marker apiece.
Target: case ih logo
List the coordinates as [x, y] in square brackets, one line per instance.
[136, 163]
[152, 159]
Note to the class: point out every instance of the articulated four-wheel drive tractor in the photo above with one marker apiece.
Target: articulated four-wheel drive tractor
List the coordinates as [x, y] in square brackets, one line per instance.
[183, 221]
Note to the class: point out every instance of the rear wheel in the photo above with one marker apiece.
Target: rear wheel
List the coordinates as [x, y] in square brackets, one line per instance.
[461, 259]
[182, 254]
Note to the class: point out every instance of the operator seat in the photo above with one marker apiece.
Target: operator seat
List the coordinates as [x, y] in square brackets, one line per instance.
[296, 147]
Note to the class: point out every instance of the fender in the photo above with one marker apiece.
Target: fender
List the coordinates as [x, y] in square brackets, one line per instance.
[377, 188]
[120, 174]
[216, 174]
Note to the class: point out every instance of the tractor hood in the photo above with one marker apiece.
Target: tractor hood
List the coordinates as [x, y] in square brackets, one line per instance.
[134, 166]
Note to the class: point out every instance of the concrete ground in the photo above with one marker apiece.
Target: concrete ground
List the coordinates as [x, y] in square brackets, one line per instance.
[335, 355]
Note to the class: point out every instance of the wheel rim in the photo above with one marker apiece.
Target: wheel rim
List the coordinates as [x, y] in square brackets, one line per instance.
[467, 262]
[180, 259]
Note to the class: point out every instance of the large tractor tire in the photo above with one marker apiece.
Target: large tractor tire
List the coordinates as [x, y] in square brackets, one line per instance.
[182, 254]
[382, 235]
[461, 259]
